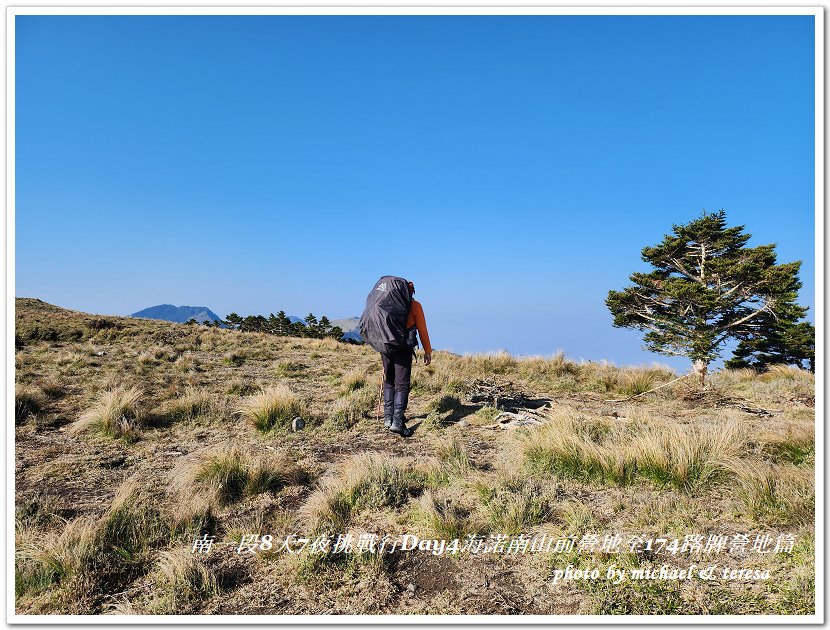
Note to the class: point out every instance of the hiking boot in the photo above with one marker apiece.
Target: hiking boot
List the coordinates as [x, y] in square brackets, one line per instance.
[401, 429]
[388, 404]
[398, 421]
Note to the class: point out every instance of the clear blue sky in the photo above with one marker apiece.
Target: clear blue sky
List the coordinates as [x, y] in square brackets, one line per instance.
[513, 167]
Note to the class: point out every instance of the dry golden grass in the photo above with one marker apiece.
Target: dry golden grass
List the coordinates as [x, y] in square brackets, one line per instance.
[662, 463]
[555, 367]
[603, 376]
[634, 382]
[181, 580]
[787, 372]
[683, 456]
[365, 481]
[28, 400]
[445, 518]
[493, 363]
[42, 561]
[348, 410]
[146, 359]
[777, 385]
[687, 457]
[227, 476]
[728, 377]
[191, 404]
[353, 380]
[326, 343]
[794, 444]
[89, 549]
[777, 495]
[515, 504]
[133, 522]
[271, 410]
[453, 458]
[115, 413]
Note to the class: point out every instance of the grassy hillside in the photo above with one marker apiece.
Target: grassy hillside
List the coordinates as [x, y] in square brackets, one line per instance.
[133, 437]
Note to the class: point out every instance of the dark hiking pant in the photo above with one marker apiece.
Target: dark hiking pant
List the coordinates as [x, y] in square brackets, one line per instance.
[397, 373]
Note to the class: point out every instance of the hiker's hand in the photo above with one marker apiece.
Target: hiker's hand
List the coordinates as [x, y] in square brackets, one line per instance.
[427, 358]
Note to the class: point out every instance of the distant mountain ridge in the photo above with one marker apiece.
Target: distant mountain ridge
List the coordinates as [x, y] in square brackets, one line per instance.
[349, 326]
[179, 314]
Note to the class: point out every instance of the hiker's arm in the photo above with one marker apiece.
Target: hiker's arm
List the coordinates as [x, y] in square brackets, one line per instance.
[421, 325]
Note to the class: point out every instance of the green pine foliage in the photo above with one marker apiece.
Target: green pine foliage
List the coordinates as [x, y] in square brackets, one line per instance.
[706, 287]
[786, 343]
[281, 325]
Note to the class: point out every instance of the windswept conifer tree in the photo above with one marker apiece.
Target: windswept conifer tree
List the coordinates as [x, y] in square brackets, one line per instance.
[707, 286]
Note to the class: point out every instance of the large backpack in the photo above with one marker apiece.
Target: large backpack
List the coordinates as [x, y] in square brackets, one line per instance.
[383, 323]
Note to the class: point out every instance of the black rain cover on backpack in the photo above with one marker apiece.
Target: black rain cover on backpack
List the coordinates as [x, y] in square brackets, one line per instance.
[383, 323]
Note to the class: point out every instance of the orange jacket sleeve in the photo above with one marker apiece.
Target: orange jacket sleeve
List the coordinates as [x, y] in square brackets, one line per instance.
[416, 318]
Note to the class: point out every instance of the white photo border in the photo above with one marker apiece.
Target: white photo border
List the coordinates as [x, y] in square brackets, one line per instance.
[414, 8]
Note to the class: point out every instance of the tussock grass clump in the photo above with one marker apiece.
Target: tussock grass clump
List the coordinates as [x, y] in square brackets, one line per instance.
[777, 495]
[515, 504]
[115, 413]
[146, 359]
[230, 476]
[326, 343]
[366, 481]
[731, 377]
[39, 510]
[687, 457]
[684, 457]
[576, 516]
[240, 387]
[188, 361]
[452, 461]
[627, 381]
[181, 581]
[71, 359]
[445, 403]
[555, 367]
[288, 369]
[163, 353]
[52, 388]
[432, 422]
[225, 475]
[445, 518]
[350, 409]
[634, 382]
[28, 400]
[271, 410]
[787, 373]
[571, 447]
[454, 458]
[796, 446]
[777, 383]
[195, 513]
[42, 562]
[602, 375]
[353, 380]
[189, 405]
[103, 552]
[491, 363]
[133, 523]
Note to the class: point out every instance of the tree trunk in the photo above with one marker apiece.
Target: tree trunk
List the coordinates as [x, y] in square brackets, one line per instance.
[699, 367]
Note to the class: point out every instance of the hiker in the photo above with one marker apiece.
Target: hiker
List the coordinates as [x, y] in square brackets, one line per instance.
[389, 324]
